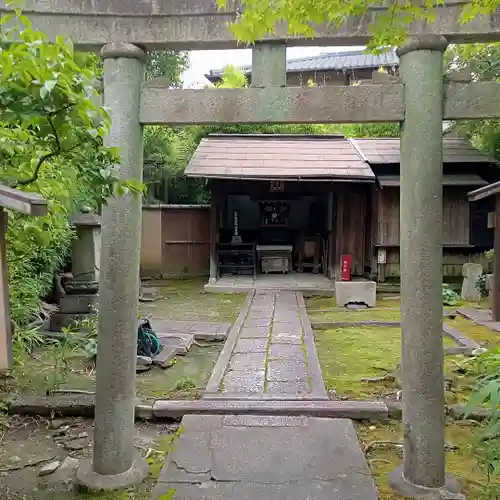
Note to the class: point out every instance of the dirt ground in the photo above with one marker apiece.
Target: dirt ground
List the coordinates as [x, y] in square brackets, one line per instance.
[28, 444]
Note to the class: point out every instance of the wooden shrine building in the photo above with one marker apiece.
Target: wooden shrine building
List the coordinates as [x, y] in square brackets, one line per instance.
[283, 203]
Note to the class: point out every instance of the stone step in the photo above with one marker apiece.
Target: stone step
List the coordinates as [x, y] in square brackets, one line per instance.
[246, 457]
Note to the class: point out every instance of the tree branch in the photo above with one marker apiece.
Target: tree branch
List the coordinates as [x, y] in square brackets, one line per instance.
[60, 110]
[43, 158]
[46, 157]
[36, 172]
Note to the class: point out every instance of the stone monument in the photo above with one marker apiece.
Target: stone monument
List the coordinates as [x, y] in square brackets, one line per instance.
[81, 289]
[471, 273]
[236, 238]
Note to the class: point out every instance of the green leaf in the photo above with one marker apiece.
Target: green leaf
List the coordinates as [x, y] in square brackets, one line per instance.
[49, 85]
[477, 399]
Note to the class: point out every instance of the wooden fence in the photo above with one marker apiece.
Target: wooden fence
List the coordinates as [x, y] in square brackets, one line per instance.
[175, 241]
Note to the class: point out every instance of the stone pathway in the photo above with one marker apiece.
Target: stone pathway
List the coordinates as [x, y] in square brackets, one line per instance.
[273, 354]
[269, 355]
[273, 458]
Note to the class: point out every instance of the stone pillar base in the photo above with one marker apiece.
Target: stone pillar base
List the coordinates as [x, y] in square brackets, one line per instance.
[89, 480]
[451, 490]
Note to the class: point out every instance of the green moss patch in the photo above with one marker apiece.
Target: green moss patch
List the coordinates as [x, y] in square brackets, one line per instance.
[41, 373]
[186, 300]
[348, 355]
[342, 314]
[462, 458]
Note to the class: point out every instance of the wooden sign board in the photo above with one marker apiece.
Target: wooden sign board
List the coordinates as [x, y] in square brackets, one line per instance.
[381, 256]
[491, 220]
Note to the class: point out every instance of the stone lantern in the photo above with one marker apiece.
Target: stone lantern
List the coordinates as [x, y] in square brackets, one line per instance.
[82, 288]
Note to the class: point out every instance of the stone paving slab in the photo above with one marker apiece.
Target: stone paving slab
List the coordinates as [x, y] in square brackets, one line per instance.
[182, 341]
[247, 361]
[276, 458]
[287, 370]
[165, 356]
[202, 330]
[286, 351]
[250, 345]
[286, 338]
[255, 332]
[295, 388]
[248, 382]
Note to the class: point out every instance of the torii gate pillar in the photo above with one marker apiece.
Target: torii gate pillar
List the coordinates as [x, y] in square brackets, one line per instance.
[115, 463]
[421, 206]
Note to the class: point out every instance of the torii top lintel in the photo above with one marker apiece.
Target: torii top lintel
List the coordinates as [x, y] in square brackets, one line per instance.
[199, 24]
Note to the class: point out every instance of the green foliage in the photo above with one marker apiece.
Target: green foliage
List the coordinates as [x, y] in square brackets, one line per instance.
[261, 17]
[450, 297]
[370, 130]
[51, 142]
[185, 384]
[61, 351]
[481, 285]
[483, 61]
[167, 63]
[487, 394]
[233, 78]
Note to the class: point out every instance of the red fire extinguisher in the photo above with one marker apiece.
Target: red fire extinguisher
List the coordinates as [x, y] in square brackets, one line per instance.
[346, 267]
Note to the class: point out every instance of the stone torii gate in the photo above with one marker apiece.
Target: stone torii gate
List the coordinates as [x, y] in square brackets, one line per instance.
[123, 30]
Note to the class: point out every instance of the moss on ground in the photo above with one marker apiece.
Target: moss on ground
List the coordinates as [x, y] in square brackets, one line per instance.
[40, 373]
[347, 355]
[462, 462]
[50, 368]
[342, 314]
[186, 300]
[481, 334]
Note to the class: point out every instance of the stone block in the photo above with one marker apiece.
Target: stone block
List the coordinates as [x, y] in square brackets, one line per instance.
[166, 355]
[77, 304]
[148, 294]
[471, 273]
[86, 248]
[356, 292]
[182, 341]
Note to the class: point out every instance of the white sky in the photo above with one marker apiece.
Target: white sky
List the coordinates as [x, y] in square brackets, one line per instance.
[202, 61]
